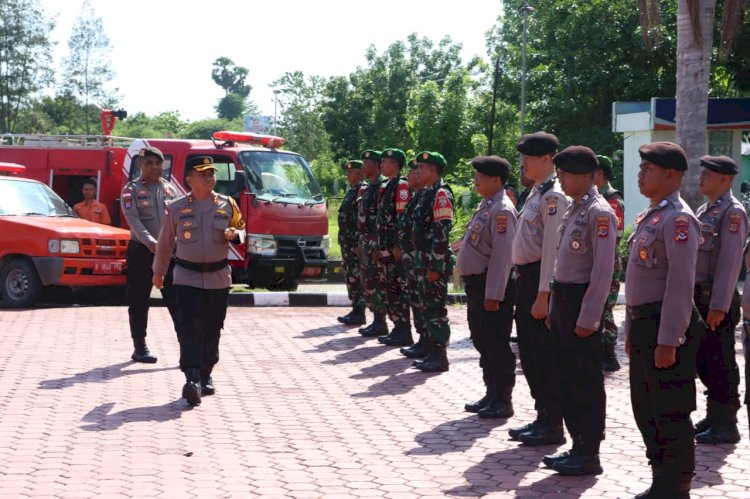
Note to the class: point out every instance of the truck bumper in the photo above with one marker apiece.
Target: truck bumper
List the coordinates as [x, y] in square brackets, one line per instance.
[275, 272]
[62, 271]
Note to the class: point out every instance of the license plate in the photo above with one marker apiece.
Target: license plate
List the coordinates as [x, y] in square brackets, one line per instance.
[107, 268]
[312, 271]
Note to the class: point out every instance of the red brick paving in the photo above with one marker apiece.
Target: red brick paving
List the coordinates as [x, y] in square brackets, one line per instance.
[304, 408]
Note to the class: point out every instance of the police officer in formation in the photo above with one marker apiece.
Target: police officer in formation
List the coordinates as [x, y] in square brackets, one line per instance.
[200, 225]
[602, 177]
[722, 239]
[585, 252]
[349, 243]
[144, 201]
[746, 328]
[485, 265]
[534, 250]
[663, 327]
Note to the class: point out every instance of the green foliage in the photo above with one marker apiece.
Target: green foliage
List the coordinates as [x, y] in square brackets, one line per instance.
[330, 176]
[230, 77]
[231, 106]
[204, 129]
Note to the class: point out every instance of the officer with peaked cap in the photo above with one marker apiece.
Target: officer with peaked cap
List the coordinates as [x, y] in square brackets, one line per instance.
[662, 325]
[722, 239]
[349, 243]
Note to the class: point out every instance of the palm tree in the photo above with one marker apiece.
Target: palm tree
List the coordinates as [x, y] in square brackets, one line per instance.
[695, 21]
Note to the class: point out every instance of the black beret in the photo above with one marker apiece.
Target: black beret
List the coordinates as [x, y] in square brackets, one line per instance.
[494, 166]
[576, 159]
[200, 163]
[605, 165]
[151, 151]
[537, 144]
[396, 154]
[353, 164]
[665, 155]
[371, 154]
[720, 164]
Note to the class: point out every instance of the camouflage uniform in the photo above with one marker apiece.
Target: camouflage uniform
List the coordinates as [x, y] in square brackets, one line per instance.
[368, 197]
[412, 276]
[349, 243]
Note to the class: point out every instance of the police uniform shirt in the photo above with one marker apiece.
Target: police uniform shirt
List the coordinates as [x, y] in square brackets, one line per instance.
[536, 233]
[144, 205]
[487, 244]
[722, 238]
[663, 249]
[197, 228]
[746, 287]
[586, 251]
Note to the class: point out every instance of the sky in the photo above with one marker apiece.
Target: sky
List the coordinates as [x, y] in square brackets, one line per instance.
[163, 50]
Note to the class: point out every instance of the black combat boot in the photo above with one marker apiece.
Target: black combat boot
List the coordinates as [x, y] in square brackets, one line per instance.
[719, 433]
[418, 350]
[514, 433]
[378, 327]
[436, 361]
[191, 391]
[609, 362]
[354, 318]
[207, 383]
[548, 432]
[141, 352]
[399, 337]
[500, 407]
[489, 395]
[582, 459]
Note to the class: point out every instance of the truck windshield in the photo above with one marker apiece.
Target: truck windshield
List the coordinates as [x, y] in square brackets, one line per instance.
[280, 176]
[31, 198]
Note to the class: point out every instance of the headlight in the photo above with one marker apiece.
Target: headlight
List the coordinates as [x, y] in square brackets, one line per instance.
[326, 243]
[260, 244]
[69, 246]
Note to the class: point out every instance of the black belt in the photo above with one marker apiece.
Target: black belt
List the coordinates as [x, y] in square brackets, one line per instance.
[703, 289]
[561, 287]
[645, 311]
[202, 267]
[528, 268]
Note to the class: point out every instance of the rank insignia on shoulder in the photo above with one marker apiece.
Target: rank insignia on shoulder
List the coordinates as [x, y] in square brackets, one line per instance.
[656, 219]
[186, 210]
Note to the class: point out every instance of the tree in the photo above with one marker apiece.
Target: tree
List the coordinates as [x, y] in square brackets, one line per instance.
[86, 69]
[230, 77]
[231, 106]
[24, 57]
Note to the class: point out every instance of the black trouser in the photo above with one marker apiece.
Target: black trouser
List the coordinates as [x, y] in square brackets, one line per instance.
[201, 314]
[662, 399]
[490, 333]
[535, 348]
[716, 363]
[579, 363]
[138, 286]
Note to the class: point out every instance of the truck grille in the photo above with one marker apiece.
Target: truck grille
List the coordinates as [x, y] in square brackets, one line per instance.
[105, 248]
[289, 247]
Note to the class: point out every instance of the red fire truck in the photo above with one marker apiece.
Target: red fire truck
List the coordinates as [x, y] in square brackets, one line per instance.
[286, 214]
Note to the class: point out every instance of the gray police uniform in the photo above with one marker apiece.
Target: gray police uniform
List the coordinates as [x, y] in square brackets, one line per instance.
[485, 265]
[723, 232]
[534, 251]
[202, 275]
[144, 206]
[663, 250]
[585, 253]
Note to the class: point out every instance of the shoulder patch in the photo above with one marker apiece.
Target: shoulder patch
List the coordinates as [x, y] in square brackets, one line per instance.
[681, 228]
[442, 208]
[402, 197]
[501, 221]
[551, 205]
[734, 222]
[602, 226]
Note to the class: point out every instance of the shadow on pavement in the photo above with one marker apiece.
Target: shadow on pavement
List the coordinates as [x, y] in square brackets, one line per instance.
[390, 367]
[358, 355]
[709, 459]
[398, 384]
[98, 375]
[102, 420]
[454, 436]
[324, 331]
[340, 343]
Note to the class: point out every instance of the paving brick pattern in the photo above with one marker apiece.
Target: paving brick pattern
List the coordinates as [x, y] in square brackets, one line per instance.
[304, 408]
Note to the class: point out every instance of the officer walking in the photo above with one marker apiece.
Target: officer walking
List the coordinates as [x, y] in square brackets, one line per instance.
[602, 177]
[662, 326]
[534, 251]
[585, 252]
[722, 238]
[391, 207]
[144, 202]
[485, 265]
[349, 243]
[430, 235]
[201, 225]
[367, 211]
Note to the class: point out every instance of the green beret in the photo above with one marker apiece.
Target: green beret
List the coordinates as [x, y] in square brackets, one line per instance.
[720, 164]
[396, 154]
[413, 164]
[353, 164]
[576, 159]
[151, 151]
[537, 144]
[666, 155]
[371, 154]
[434, 158]
[605, 165]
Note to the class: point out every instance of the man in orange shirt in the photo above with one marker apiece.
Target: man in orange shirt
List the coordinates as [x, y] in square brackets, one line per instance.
[91, 209]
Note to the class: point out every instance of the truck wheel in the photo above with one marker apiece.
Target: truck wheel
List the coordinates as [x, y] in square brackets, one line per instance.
[287, 285]
[19, 283]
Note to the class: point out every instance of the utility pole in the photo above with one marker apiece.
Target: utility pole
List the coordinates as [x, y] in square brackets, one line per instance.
[275, 94]
[525, 10]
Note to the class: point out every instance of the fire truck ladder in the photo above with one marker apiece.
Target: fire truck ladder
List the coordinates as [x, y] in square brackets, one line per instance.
[42, 140]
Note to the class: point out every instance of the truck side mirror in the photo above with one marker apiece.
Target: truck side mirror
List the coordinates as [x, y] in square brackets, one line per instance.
[239, 184]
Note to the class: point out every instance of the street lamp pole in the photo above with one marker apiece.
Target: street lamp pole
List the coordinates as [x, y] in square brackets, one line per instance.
[275, 93]
[525, 11]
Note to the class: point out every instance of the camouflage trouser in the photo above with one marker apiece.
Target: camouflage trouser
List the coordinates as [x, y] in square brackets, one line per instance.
[410, 274]
[369, 273]
[396, 300]
[350, 263]
[609, 327]
[434, 311]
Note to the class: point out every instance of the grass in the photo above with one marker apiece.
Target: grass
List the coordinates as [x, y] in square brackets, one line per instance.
[333, 230]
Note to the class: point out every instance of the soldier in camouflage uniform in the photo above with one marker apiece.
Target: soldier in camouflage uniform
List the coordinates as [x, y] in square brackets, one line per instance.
[391, 207]
[433, 218]
[602, 176]
[349, 243]
[367, 210]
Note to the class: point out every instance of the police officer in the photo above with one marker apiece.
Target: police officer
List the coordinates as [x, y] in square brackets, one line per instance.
[391, 207]
[349, 243]
[144, 202]
[201, 225]
[585, 252]
[367, 211]
[430, 235]
[485, 264]
[602, 177]
[746, 328]
[412, 274]
[534, 251]
[662, 326]
[527, 185]
[722, 238]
